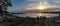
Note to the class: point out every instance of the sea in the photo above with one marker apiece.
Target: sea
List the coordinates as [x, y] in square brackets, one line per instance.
[34, 15]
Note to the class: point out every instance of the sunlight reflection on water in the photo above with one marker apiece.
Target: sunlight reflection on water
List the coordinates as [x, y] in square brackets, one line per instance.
[36, 14]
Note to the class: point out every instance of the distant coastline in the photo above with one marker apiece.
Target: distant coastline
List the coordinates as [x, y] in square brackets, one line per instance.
[18, 13]
[39, 12]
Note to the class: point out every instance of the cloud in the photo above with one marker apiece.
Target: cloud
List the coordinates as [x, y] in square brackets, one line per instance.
[36, 2]
[30, 4]
[41, 3]
[56, 1]
[31, 0]
[53, 9]
[44, 3]
[51, 3]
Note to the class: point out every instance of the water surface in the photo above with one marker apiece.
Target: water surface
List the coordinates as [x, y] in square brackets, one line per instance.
[34, 15]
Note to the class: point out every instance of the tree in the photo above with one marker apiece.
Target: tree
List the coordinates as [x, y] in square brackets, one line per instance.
[4, 4]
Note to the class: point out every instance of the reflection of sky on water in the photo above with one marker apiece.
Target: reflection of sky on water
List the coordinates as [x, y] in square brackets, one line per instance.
[36, 14]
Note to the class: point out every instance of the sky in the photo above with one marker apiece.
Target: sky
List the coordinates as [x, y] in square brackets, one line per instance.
[22, 5]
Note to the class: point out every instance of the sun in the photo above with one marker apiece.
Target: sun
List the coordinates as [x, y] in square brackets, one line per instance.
[41, 7]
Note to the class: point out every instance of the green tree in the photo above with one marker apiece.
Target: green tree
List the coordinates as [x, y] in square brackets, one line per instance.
[4, 4]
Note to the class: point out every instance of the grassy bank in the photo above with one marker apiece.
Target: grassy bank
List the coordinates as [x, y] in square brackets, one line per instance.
[25, 21]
